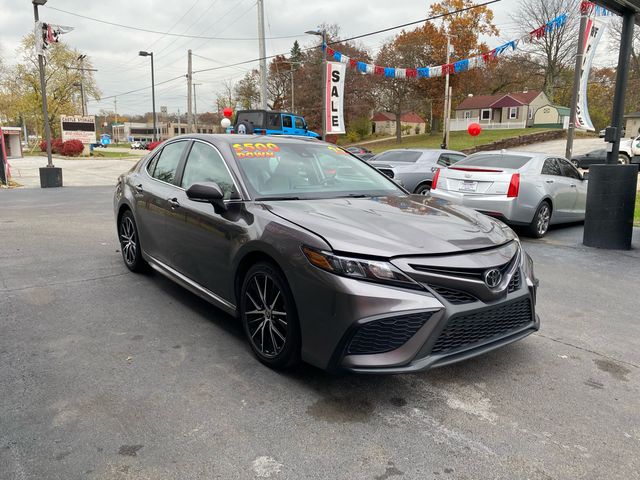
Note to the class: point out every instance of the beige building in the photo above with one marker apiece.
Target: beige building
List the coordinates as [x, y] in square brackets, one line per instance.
[411, 123]
[632, 125]
[552, 116]
[510, 110]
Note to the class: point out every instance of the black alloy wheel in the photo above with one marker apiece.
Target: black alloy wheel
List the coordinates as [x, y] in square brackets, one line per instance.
[541, 221]
[269, 317]
[130, 243]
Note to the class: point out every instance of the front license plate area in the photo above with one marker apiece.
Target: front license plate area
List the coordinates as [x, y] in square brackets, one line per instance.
[467, 186]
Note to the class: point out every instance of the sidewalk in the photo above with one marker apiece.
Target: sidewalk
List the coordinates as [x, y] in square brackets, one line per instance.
[80, 172]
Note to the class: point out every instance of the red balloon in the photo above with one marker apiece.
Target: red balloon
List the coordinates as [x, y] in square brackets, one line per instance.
[474, 129]
[227, 112]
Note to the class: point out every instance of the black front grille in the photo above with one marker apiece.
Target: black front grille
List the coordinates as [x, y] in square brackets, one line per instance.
[457, 297]
[382, 336]
[387, 172]
[466, 330]
[515, 282]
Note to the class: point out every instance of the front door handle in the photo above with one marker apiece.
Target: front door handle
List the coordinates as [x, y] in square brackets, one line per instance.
[573, 185]
[173, 203]
[549, 181]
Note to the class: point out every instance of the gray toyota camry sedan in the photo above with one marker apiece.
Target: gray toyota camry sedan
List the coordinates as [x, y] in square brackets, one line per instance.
[323, 258]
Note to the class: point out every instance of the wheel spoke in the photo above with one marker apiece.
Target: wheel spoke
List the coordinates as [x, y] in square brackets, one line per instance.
[275, 330]
[273, 340]
[264, 303]
[275, 312]
[255, 312]
[273, 304]
[255, 304]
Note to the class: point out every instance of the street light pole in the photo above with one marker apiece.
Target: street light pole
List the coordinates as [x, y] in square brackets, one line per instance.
[576, 84]
[153, 94]
[43, 89]
[263, 56]
[323, 33]
[195, 107]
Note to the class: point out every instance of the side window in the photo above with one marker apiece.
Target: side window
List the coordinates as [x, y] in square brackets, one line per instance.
[444, 160]
[205, 164]
[299, 123]
[167, 162]
[455, 158]
[152, 164]
[551, 167]
[569, 170]
[286, 121]
[273, 121]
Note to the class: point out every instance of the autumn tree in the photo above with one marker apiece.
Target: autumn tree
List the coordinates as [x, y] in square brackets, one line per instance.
[20, 85]
[247, 91]
[555, 51]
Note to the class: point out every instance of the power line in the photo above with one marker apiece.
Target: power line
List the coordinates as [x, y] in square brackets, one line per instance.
[169, 33]
[428, 19]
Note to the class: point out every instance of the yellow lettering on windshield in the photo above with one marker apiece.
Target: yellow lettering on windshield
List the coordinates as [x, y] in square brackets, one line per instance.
[255, 150]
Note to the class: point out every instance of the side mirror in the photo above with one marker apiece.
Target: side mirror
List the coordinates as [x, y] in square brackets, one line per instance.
[207, 192]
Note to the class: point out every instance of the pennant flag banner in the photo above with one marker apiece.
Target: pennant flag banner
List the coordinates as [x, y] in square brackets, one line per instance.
[48, 33]
[590, 8]
[451, 68]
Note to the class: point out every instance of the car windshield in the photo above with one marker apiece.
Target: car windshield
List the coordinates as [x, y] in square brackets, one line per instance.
[286, 170]
[503, 160]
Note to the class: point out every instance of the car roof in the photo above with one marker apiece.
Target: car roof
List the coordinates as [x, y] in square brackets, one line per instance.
[517, 152]
[231, 138]
[422, 150]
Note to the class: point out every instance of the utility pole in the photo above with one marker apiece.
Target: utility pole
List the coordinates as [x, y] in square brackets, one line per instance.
[584, 16]
[189, 81]
[43, 91]
[322, 33]
[179, 125]
[83, 97]
[292, 90]
[263, 55]
[447, 96]
[195, 108]
[115, 122]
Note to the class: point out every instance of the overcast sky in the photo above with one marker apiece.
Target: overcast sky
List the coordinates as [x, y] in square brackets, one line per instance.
[114, 50]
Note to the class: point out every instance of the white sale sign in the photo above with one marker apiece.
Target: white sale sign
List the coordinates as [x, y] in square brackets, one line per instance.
[334, 95]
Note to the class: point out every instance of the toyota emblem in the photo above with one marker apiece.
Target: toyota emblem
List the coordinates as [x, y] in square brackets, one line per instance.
[492, 277]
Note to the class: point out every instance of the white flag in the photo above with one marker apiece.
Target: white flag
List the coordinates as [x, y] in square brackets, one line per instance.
[48, 33]
[334, 93]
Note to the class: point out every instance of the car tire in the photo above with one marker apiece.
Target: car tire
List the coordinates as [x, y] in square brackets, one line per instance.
[539, 226]
[623, 159]
[130, 243]
[269, 317]
[423, 189]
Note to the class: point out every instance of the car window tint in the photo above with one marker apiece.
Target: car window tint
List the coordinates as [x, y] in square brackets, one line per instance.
[167, 162]
[286, 121]
[205, 164]
[455, 158]
[551, 167]
[299, 123]
[273, 120]
[503, 160]
[444, 160]
[152, 164]
[568, 170]
[407, 156]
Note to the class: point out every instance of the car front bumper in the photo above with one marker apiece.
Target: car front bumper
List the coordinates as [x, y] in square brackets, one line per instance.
[357, 326]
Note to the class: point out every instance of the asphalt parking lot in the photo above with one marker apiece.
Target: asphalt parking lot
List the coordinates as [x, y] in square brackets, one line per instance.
[105, 374]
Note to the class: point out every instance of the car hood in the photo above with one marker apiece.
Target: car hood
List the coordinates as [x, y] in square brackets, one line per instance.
[394, 226]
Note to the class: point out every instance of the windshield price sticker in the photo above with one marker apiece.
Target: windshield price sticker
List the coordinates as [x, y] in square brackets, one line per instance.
[337, 150]
[255, 150]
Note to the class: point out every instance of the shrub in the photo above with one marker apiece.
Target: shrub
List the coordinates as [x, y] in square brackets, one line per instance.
[361, 126]
[56, 145]
[72, 148]
[153, 145]
[352, 136]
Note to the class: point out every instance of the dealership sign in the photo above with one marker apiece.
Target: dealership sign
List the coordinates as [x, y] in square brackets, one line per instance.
[77, 127]
[334, 94]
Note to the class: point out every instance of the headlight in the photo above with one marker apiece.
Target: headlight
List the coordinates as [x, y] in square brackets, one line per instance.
[370, 270]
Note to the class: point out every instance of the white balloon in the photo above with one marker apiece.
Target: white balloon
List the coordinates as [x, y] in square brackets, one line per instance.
[225, 123]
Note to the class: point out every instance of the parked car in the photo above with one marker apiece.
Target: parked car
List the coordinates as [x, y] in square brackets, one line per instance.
[360, 152]
[519, 188]
[322, 257]
[267, 122]
[602, 132]
[414, 168]
[137, 145]
[596, 157]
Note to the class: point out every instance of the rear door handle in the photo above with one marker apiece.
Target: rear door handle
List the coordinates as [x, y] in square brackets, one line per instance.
[173, 203]
[573, 185]
[549, 181]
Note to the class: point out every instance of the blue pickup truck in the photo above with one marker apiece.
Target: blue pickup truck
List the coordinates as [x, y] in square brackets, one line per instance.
[266, 122]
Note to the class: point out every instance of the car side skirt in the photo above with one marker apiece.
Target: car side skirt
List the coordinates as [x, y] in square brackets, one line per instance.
[190, 285]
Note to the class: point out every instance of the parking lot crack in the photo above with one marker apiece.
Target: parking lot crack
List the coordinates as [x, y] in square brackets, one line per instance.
[587, 350]
[68, 282]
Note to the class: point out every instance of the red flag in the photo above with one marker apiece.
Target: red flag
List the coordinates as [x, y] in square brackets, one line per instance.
[448, 69]
[378, 70]
[330, 52]
[353, 63]
[412, 72]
